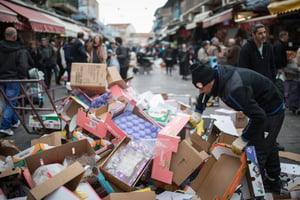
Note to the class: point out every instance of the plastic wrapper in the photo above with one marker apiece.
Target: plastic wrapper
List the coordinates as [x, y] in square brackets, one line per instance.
[128, 161]
[87, 161]
[7, 164]
[45, 172]
[99, 101]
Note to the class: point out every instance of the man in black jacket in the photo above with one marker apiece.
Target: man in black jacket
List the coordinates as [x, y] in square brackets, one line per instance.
[13, 62]
[279, 47]
[257, 54]
[78, 50]
[241, 89]
[123, 57]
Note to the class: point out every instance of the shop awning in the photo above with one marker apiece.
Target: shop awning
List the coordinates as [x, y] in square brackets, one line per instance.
[220, 17]
[38, 21]
[283, 6]
[266, 20]
[197, 19]
[7, 16]
[173, 30]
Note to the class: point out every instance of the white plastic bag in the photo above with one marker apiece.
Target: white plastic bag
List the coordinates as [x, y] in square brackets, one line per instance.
[114, 62]
[45, 172]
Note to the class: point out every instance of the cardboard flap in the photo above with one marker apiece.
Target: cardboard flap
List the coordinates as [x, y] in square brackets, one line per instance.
[290, 155]
[131, 196]
[70, 177]
[114, 78]
[58, 154]
[53, 139]
[10, 172]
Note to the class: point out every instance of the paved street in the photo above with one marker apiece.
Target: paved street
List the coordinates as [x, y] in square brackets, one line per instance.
[158, 82]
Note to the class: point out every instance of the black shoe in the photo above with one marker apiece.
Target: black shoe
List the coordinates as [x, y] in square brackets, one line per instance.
[279, 147]
[58, 83]
[274, 186]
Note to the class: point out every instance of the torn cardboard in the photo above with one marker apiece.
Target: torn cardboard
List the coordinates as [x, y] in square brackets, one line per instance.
[220, 175]
[289, 155]
[114, 78]
[131, 196]
[185, 161]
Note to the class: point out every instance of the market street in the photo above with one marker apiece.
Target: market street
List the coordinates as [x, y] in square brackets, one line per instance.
[158, 82]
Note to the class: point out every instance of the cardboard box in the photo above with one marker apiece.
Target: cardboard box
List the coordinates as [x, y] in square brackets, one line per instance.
[115, 130]
[53, 139]
[168, 137]
[94, 126]
[186, 161]
[69, 177]
[10, 172]
[8, 148]
[129, 181]
[89, 77]
[220, 175]
[62, 193]
[118, 92]
[58, 154]
[254, 177]
[114, 78]
[131, 196]
[50, 121]
[18, 159]
[70, 107]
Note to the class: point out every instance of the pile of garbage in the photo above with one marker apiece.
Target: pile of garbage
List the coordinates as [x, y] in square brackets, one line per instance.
[113, 143]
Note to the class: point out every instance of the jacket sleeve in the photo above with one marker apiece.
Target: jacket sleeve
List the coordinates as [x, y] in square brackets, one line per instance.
[22, 62]
[244, 58]
[201, 103]
[244, 99]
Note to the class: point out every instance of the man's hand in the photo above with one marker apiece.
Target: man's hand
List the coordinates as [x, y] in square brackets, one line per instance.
[238, 146]
[195, 119]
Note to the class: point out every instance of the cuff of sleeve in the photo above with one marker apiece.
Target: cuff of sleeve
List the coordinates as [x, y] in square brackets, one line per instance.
[198, 111]
[244, 139]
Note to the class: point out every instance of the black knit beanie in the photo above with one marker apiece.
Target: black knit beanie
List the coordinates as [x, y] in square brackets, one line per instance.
[202, 73]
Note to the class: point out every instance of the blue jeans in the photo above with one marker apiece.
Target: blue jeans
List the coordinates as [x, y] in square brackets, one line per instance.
[9, 117]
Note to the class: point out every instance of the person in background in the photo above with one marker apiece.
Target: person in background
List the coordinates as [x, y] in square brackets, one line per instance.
[168, 56]
[241, 89]
[33, 53]
[189, 59]
[68, 54]
[214, 49]
[122, 56]
[78, 50]
[182, 52]
[46, 61]
[298, 57]
[13, 65]
[97, 51]
[61, 61]
[202, 53]
[257, 53]
[55, 67]
[280, 47]
[232, 53]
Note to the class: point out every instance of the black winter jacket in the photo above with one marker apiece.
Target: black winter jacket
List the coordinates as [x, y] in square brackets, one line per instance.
[13, 60]
[122, 56]
[279, 48]
[250, 58]
[241, 89]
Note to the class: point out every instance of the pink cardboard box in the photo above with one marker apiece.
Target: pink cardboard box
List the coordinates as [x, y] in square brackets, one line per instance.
[118, 92]
[115, 130]
[167, 137]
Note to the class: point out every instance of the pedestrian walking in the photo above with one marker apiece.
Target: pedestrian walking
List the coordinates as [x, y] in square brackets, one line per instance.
[241, 89]
[78, 50]
[202, 52]
[123, 57]
[168, 57]
[46, 61]
[280, 47]
[13, 65]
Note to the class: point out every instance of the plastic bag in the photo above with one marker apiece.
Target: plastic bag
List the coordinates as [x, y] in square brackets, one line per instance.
[45, 172]
[7, 164]
[114, 62]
